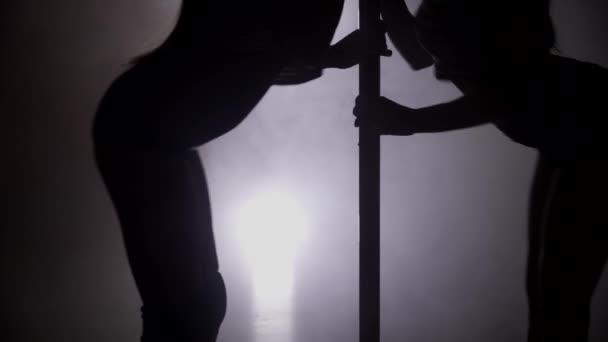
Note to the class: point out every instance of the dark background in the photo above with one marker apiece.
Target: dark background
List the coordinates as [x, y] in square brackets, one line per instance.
[453, 203]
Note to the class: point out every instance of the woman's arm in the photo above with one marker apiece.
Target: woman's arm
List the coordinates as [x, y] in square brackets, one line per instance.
[391, 118]
[400, 26]
[401, 29]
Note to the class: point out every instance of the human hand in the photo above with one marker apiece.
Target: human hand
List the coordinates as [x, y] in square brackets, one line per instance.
[385, 116]
[353, 49]
[402, 30]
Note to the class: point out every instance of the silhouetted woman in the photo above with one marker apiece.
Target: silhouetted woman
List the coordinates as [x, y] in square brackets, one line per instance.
[498, 54]
[216, 65]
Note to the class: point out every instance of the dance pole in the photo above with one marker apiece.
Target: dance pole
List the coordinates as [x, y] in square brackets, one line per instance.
[369, 183]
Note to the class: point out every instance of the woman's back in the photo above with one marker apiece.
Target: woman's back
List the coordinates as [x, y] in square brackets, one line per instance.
[302, 25]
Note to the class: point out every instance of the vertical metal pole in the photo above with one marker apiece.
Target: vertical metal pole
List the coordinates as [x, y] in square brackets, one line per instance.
[369, 184]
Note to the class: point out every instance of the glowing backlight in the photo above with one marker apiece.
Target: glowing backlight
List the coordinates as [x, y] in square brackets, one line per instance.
[270, 227]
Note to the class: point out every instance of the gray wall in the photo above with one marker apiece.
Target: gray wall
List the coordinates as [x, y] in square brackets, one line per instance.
[453, 203]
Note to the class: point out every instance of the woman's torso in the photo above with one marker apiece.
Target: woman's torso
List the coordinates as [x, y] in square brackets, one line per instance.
[297, 32]
[240, 26]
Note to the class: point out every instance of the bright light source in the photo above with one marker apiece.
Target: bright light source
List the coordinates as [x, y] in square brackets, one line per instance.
[270, 227]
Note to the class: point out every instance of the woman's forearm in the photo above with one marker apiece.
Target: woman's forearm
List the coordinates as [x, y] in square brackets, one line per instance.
[465, 112]
[400, 26]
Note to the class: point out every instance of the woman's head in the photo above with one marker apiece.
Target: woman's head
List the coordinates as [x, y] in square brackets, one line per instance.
[469, 38]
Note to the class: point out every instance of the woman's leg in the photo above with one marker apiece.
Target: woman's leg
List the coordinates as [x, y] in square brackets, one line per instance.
[568, 252]
[543, 188]
[146, 128]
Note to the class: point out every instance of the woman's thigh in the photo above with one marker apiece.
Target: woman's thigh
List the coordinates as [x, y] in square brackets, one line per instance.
[575, 243]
